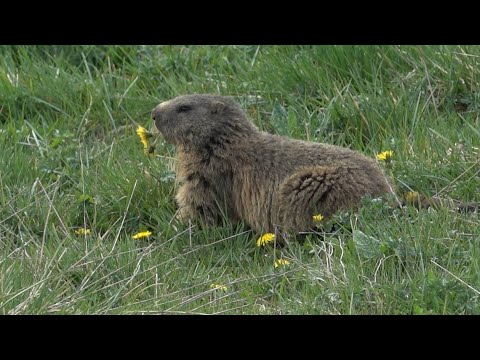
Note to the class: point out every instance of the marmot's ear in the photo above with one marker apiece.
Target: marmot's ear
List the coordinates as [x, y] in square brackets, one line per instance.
[217, 107]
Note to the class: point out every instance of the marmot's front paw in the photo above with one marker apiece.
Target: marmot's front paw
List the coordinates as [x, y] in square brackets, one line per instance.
[183, 215]
[186, 215]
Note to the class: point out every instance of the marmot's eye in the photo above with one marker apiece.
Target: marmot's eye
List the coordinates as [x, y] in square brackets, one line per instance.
[184, 108]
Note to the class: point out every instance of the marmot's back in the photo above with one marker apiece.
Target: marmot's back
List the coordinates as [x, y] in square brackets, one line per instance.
[228, 167]
[299, 179]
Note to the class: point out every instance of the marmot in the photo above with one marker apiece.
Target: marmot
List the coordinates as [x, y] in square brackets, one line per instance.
[227, 167]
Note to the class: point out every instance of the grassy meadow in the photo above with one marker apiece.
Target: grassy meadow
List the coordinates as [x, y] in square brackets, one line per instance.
[71, 159]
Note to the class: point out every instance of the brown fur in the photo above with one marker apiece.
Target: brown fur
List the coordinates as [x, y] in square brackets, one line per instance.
[227, 167]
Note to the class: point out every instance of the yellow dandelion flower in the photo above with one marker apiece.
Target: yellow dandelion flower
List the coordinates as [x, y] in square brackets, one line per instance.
[219, 287]
[144, 135]
[385, 155]
[281, 262]
[142, 234]
[318, 217]
[412, 196]
[82, 231]
[265, 239]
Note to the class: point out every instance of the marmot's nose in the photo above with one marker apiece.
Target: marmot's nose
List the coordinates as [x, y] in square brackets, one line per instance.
[154, 113]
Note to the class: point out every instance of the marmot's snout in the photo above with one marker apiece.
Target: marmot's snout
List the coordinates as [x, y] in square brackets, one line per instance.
[154, 114]
[157, 109]
[157, 114]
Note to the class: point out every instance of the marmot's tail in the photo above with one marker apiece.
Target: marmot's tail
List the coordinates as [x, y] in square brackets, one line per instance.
[421, 201]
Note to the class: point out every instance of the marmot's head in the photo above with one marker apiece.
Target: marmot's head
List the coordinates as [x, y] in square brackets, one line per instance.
[197, 120]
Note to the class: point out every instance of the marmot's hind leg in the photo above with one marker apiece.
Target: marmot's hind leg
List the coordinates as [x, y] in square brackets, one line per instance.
[319, 190]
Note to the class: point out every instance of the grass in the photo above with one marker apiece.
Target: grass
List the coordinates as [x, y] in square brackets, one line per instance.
[71, 159]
